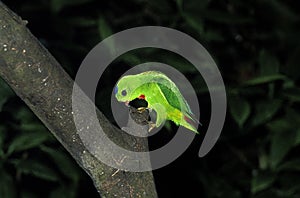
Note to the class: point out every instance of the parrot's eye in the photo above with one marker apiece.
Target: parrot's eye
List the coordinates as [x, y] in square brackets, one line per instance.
[116, 90]
[124, 93]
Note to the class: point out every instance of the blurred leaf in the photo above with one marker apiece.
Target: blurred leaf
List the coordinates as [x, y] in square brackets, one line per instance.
[213, 35]
[293, 165]
[289, 83]
[265, 110]
[131, 59]
[37, 169]
[264, 79]
[179, 4]
[281, 124]
[81, 21]
[293, 94]
[5, 93]
[252, 91]
[193, 14]
[25, 115]
[269, 65]
[263, 159]
[281, 144]
[289, 183]
[239, 109]
[66, 165]
[104, 32]
[27, 141]
[104, 29]
[197, 24]
[33, 127]
[282, 140]
[7, 187]
[58, 5]
[267, 193]
[261, 181]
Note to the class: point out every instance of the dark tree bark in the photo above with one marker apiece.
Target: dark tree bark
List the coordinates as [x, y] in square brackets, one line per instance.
[40, 81]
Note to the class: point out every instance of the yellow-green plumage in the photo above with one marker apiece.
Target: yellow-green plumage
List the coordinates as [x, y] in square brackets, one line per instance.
[162, 96]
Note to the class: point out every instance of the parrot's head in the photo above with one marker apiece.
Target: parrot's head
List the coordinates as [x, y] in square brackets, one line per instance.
[124, 90]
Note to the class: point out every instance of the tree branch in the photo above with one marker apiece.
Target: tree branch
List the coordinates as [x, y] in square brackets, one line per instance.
[39, 80]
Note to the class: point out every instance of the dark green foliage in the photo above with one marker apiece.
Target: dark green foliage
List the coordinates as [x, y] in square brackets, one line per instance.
[5, 93]
[256, 46]
[32, 161]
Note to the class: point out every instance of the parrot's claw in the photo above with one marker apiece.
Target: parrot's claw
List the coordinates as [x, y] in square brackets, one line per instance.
[151, 126]
[142, 109]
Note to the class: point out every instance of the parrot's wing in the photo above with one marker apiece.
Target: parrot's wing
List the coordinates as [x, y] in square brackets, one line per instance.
[170, 91]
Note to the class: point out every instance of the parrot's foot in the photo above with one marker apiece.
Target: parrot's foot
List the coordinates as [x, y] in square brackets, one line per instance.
[142, 109]
[151, 126]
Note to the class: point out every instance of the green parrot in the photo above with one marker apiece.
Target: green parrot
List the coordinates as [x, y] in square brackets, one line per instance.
[162, 96]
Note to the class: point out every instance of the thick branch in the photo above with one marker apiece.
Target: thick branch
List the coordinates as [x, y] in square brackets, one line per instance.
[46, 88]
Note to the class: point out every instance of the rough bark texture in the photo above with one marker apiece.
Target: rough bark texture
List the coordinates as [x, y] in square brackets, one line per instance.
[39, 80]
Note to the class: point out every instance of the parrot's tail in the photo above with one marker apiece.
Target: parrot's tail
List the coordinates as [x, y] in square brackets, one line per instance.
[184, 120]
[190, 123]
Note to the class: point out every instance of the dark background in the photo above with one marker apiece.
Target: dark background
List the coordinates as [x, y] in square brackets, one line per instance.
[254, 43]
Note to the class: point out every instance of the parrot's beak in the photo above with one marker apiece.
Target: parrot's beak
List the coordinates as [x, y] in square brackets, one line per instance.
[127, 103]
